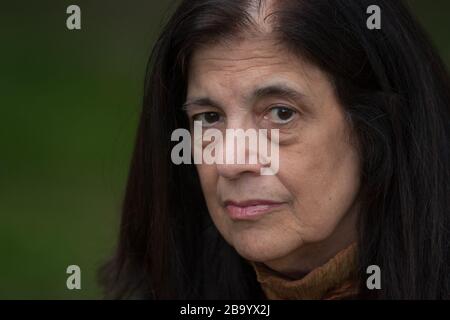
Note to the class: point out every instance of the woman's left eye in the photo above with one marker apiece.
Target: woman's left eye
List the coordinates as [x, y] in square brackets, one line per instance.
[280, 115]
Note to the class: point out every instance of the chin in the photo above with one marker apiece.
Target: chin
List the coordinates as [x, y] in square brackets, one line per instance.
[258, 247]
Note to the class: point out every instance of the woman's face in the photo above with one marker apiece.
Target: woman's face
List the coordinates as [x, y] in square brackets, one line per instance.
[306, 212]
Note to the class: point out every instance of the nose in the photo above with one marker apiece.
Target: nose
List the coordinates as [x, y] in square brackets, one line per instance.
[238, 147]
[234, 171]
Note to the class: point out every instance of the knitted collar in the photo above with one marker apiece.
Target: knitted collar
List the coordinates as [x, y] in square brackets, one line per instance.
[336, 279]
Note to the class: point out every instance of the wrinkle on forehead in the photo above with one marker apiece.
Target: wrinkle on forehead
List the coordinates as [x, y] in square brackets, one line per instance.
[258, 49]
[243, 56]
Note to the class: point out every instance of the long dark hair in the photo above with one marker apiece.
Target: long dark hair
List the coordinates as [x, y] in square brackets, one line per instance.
[396, 92]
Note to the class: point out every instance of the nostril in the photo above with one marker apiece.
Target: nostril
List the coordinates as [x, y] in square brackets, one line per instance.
[235, 171]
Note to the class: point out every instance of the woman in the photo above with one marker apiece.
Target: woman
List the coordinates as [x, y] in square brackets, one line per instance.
[364, 162]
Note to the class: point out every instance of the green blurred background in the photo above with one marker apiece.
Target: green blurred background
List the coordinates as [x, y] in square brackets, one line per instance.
[69, 105]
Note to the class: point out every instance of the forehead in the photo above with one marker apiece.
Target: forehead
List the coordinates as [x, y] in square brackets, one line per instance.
[244, 63]
[237, 57]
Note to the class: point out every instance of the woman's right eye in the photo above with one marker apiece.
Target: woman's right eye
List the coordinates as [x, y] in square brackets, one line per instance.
[208, 119]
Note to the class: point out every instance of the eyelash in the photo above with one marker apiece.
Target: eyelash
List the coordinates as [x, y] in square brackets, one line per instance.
[293, 111]
[268, 111]
[194, 117]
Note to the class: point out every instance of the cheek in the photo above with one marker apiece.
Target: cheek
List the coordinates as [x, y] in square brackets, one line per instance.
[208, 180]
[323, 176]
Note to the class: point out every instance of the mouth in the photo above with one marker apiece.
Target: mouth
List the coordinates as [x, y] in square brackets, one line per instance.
[250, 209]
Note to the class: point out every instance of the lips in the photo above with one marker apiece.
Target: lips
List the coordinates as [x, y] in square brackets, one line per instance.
[250, 209]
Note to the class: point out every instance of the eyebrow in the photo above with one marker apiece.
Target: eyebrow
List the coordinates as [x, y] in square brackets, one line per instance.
[280, 90]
